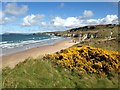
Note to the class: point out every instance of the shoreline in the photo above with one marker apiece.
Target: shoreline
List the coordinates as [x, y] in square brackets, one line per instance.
[23, 47]
[13, 59]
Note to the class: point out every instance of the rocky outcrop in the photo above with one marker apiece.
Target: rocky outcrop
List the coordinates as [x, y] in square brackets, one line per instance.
[89, 32]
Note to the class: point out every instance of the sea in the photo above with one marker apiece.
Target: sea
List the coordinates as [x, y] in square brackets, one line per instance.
[12, 43]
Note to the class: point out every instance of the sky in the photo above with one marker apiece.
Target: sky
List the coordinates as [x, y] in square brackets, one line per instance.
[32, 17]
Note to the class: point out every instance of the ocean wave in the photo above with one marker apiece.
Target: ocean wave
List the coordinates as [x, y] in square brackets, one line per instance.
[7, 45]
[3, 42]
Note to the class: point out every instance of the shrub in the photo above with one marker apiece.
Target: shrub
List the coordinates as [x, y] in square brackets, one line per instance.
[87, 59]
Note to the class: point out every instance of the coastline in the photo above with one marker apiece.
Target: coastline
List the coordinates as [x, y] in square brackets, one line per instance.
[12, 59]
[10, 48]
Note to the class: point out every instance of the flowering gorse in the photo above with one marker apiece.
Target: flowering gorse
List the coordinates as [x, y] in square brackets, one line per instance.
[87, 59]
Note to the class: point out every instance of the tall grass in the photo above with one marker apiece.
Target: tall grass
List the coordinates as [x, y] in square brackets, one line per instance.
[39, 73]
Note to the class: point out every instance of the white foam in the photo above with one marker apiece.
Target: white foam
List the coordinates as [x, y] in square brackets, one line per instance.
[3, 42]
[22, 43]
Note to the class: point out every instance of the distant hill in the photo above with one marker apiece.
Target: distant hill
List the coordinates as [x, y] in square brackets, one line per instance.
[99, 36]
[100, 31]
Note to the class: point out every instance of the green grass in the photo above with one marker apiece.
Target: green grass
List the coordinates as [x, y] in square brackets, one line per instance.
[112, 45]
[103, 31]
[39, 73]
[0, 79]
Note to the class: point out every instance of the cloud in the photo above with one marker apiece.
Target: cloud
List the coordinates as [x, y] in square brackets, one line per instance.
[109, 19]
[2, 14]
[92, 22]
[69, 22]
[88, 13]
[72, 22]
[1, 17]
[4, 19]
[43, 23]
[11, 10]
[14, 9]
[58, 21]
[32, 19]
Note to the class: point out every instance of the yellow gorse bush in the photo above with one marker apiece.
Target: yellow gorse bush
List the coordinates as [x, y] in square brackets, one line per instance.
[87, 59]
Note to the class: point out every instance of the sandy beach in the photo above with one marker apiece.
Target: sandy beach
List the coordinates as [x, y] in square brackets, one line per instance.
[12, 59]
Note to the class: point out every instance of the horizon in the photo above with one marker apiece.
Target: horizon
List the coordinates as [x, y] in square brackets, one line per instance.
[33, 17]
[47, 31]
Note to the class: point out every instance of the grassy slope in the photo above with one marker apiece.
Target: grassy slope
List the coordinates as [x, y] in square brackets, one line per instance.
[37, 73]
[112, 45]
[103, 31]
